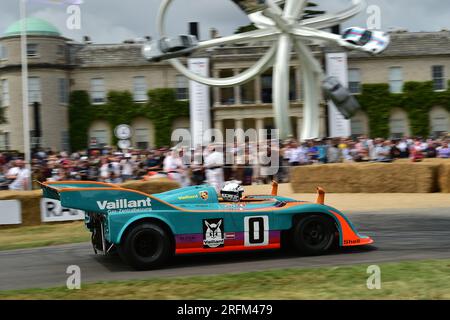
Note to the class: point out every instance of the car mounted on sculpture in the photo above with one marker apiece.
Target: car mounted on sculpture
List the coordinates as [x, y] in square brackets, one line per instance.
[344, 101]
[148, 229]
[372, 41]
[169, 47]
[182, 42]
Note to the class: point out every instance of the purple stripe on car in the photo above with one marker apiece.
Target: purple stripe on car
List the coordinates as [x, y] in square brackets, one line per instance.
[198, 237]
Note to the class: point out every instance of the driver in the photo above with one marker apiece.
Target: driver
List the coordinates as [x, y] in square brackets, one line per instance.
[232, 192]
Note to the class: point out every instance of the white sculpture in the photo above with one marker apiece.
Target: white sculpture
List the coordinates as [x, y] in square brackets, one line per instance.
[285, 28]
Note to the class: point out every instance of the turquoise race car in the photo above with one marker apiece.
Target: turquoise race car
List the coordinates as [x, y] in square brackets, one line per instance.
[148, 229]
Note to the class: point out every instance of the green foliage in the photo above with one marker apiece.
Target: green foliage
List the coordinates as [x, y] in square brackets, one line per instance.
[247, 28]
[79, 119]
[417, 99]
[162, 109]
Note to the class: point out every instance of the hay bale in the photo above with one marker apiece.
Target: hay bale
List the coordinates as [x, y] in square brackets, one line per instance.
[444, 178]
[426, 160]
[367, 178]
[30, 202]
[399, 178]
[152, 186]
[334, 178]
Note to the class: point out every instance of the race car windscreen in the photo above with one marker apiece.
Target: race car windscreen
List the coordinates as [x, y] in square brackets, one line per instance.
[366, 38]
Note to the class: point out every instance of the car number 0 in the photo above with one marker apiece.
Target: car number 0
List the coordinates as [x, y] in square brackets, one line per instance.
[256, 231]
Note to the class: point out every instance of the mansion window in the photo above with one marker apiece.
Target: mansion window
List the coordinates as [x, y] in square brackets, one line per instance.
[34, 90]
[63, 90]
[32, 50]
[396, 79]
[3, 52]
[4, 141]
[266, 84]
[182, 89]
[100, 136]
[438, 78]
[140, 89]
[142, 138]
[292, 85]
[98, 93]
[5, 93]
[354, 81]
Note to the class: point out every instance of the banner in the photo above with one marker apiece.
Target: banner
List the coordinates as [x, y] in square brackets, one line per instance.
[200, 105]
[10, 212]
[336, 64]
[51, 211]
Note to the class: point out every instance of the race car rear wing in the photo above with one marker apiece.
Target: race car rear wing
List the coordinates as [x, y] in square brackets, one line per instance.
[52, 189]
[102, 197]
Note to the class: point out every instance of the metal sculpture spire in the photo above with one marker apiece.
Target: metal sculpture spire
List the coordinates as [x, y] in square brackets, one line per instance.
[286, 29]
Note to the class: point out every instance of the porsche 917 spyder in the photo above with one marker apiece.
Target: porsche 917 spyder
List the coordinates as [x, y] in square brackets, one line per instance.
[147, 229]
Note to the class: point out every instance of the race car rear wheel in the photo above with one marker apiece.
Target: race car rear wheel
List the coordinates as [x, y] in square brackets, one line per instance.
[146, 246]
[313, 235]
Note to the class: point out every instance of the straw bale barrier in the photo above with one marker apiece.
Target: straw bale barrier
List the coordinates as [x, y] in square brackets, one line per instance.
[399, 177]
[444, 178]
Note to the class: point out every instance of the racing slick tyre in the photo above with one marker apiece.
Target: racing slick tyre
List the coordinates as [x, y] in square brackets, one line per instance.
[146, 246]
[313, 235]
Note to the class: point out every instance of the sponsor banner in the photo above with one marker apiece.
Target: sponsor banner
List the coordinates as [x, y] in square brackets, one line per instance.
[51, 211]
[337, 66]
[199, 98]
[10, 212]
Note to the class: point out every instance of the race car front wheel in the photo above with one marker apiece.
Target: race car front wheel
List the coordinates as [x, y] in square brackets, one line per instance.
[313, 235]
[146, 246]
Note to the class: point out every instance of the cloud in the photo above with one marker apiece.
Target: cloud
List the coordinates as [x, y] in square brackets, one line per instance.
[112, 21]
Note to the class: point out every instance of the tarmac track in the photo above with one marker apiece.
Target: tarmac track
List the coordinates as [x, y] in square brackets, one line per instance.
[399, 235]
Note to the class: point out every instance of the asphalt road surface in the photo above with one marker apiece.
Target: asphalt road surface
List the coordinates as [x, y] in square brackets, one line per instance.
[399, 235]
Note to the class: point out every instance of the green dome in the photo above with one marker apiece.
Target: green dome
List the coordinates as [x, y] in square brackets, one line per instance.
[35, 26]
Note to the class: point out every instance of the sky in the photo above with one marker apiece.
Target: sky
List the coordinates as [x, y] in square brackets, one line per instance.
[113, 21]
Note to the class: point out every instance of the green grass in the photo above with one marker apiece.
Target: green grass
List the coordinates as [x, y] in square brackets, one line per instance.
[43, 235]
[406, 280]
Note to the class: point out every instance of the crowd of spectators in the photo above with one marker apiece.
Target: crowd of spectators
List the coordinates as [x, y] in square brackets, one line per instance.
[190, 166]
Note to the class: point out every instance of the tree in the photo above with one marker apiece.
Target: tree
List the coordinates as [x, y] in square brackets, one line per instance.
[309, 13]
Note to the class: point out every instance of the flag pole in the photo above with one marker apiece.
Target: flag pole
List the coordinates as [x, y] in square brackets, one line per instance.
[25, 98]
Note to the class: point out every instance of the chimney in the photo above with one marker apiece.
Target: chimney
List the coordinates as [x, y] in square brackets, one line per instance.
[214, 33]
[194, 29]
[87, 40]
[336, 29]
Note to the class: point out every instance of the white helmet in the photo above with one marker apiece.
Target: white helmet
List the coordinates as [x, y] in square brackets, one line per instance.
[232, 191]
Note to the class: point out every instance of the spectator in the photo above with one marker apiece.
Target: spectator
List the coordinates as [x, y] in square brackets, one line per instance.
[19, 175]
[382, 152]
[333, 152]
[190, 167]
[444, 151]
[416, 151]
